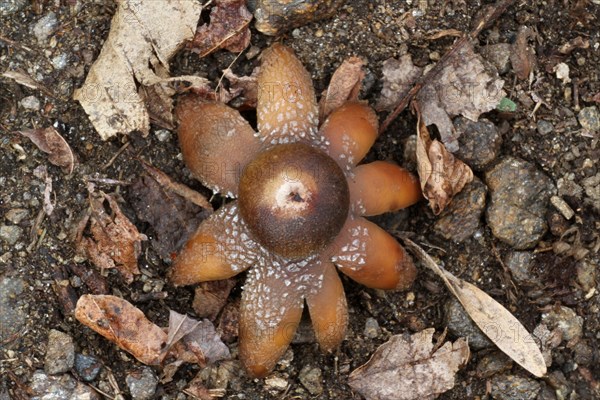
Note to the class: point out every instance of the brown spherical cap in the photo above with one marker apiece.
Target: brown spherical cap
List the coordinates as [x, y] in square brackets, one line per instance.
[294, 199]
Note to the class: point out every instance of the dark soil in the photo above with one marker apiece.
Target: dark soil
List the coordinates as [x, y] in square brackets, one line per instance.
[376, 31]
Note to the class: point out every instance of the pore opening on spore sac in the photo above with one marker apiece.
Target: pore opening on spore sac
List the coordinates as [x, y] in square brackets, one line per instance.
[294, 199]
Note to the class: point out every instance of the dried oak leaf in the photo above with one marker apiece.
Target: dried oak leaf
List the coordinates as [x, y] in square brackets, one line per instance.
[172, 217]
[144, 35]
[228, 28]
[243, 87]
[408, 367]
[115, 241]
[522, 57]
[466, 86]
[441, 174]
[124, 324]
[51, 142]
[345, 85]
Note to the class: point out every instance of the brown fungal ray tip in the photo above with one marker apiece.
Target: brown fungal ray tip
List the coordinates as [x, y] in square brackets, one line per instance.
[294, 199]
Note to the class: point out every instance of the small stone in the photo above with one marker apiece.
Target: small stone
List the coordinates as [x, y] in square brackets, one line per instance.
[311, 377]
[13, 309]
[16, 215]
[60, 353]
[586, 275]
[499, 55]
[10, 233]
[519, 264]
[591, 186]
[562, 206]
[372, 329]
[562, 73]
[60, 61]
[512, 387]
[565, 320]
[479, 142]
[492, 364]
[461, 218]
[461, 325]
[557, 381]
[8, 7]
[59, 387]
[520, 194]
[30, 103]
[45, 27]
[589, 118]
[275, 383]
[142, 384]
[87, 367]
[544, 127]
[163, 135]
[567, 187]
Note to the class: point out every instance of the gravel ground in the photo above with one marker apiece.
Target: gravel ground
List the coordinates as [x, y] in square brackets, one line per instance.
[526, 231]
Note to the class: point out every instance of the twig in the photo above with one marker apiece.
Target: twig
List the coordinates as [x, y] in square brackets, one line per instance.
[117, 154]
[492, 14]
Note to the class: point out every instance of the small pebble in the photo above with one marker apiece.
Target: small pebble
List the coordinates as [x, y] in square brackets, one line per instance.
[562, 73]
[60, 353]
[8, 7]
[520, 194]
[311, 377]
[16, 215]
[60, 61]
[565, 320]
[163, 135]
[13, 309]
[544, 127]
[87, 367]
[519, 264]
[142, 384]
[512, 387]
[461, 325]
[10, 233]
[492, 364]
[47, 387]
[461, 218]
[591, 187]
[589, 118]
[30, 103]
[479, 142]
[498, 55]
[275, 383]
[372, 329]
[45, 26]
[586, 274]
[562, 206]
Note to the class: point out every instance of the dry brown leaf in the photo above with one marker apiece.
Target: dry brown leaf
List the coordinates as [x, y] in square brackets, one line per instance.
[345, 85]
[398, 77]
[441, 174]
[245, 86]
[144, 35]
[115, 241]
[465, 86]
[408, 367]
[495, 321]
[522, 56]
[23, 79]
[210, 297]
[228, 28]
[51, 142]
[124, 324]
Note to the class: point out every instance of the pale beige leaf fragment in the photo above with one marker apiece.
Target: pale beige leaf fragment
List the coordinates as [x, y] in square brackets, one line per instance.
[52, 143]
[441, 174]
[409, 367]
[345, 85]
[124, 324]
[144, 35]
[495, 321]
[398, 77]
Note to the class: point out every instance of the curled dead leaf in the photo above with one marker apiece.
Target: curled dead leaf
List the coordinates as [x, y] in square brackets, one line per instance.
[124, 324]
[522, 57]
[228, 28]
[345, 85]
[52, 143]
[409, 367]
[495, 321]
[441, 174]
[142, 39]
[115, 242]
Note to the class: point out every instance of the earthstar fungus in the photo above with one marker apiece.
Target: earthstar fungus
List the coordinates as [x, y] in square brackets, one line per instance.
[299, 214]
